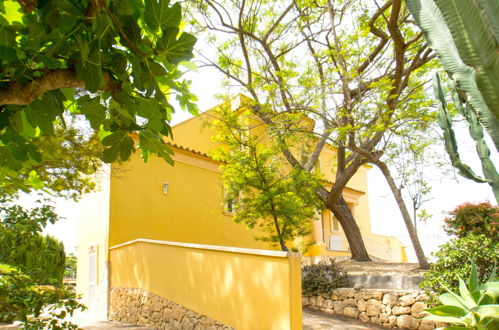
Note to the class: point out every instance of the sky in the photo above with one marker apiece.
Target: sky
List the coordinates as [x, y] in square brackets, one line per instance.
[448, 191]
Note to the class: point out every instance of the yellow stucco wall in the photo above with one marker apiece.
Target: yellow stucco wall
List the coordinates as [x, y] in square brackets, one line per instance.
[242, 289]
[192, 211]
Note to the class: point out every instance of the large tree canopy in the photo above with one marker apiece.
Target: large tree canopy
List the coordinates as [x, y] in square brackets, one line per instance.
[357, 68]
[116, 63]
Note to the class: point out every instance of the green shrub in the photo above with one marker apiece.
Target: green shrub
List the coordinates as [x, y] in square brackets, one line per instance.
[453, 261]
[478, 219]
[323, 277]
[22, 245]
[474, 308]
[22, 300]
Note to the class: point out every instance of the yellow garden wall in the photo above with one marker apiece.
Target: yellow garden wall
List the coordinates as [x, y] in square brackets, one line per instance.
[242, 288]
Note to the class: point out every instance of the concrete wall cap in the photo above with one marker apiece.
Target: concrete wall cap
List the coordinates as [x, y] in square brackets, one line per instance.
[269, 253]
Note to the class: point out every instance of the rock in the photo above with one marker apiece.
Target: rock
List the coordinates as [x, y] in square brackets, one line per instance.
[328, 304]
[373, 307]
[406, 300]
[390, 299]
[187, 324]
[351, 312]
[350, 302]
[338, 307]
[363, 317]
[407, 321]
[383, 317]
[426, 325]
[305, 301]
[441, 324]
[392, 320]
[388, 310]
[337, 295]
[377, 294]
[375, 320]
[350, 293]
[319, 301]
[312, 301]
[399, 310]
[361, 305]
[422, 297]
[417, 308]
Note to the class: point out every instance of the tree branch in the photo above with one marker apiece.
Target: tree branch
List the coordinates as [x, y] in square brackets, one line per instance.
[23, 94]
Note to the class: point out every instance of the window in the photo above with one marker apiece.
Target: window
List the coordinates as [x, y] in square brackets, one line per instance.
[335, 225]
[230, 204]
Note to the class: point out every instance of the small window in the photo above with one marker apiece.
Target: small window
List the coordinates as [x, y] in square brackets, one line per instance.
[230, 204]
[335, 225]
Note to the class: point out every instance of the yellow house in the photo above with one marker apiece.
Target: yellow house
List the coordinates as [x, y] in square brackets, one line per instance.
[184, 203]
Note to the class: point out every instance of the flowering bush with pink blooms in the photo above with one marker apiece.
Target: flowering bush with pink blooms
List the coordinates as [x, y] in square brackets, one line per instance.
[468, 218]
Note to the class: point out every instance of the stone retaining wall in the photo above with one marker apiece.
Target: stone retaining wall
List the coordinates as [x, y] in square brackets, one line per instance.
[139, 307]
[390, 308]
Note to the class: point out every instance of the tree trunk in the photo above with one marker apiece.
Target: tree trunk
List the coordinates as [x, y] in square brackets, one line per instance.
[415, 215]
[279, 233]
[352, 232]
[423, 263]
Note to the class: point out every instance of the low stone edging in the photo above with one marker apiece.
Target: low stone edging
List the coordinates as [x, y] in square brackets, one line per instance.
[390, 308]
[142, 308]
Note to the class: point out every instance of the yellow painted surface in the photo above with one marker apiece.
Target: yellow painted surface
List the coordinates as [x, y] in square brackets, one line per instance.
[132, 205]
[242, 290]
[192, 210]
[93, 227]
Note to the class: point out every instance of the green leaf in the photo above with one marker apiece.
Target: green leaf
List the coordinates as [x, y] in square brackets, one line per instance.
[447, 319]
[465, 294]
[473, 279]
[176, 50]
[452, 300]
[7, 53]
[487, 311]
[447, 310]
[158, 15]
[151, 142]
[189, 65]
[149, 109]
[92, 72]
[93, 110]
[156, 69]
[489, 286]
[120, 145]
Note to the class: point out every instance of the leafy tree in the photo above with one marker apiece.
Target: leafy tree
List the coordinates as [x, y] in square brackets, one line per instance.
[356, 68]
[115, 64]
[70, 158]
[21, 299]
[413, 158]
[70, 270]
[265, 192]
[22, 245]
